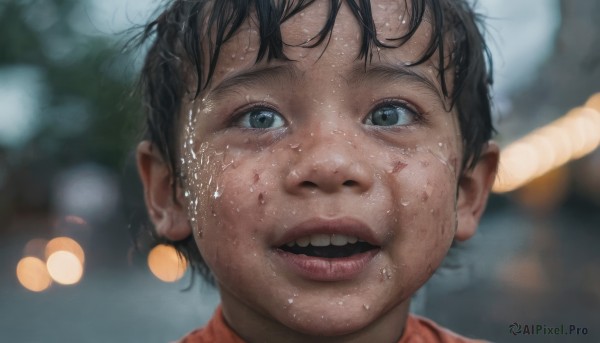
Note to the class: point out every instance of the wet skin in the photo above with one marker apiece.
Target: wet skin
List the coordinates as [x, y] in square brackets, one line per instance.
[330, 147]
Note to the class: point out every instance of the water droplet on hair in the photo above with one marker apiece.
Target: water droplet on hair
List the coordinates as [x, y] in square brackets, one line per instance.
[186, 193]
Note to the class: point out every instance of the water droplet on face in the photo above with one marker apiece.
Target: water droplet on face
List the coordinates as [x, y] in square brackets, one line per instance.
[404, 202]
[366, 307]
[290, 301]
[217, 193]
[386, 274]
[340, 303]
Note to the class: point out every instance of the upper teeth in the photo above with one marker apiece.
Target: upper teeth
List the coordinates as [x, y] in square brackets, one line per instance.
[323, 240]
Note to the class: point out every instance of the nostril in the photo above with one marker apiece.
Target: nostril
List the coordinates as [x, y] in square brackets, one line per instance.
[350, 183]
[308, 184]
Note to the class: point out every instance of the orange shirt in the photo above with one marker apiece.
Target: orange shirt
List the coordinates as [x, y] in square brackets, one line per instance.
[416, 330]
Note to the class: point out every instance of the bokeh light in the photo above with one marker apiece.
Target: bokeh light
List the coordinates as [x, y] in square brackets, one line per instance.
[594, 102]
[166, 264]
[75, 220]
[572, 136]
[35, 247]
[65, 244]
[64, 267]
[32, 274]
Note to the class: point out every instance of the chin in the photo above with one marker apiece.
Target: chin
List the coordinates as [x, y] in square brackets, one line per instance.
[338, 322]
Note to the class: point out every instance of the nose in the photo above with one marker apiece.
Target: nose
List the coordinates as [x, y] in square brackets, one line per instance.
[329, 165]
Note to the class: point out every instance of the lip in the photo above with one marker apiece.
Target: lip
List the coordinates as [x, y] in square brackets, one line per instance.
[341, 226]
[328, 269]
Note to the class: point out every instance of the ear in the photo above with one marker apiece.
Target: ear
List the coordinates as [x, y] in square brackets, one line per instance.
[169, 216]
[473, 190]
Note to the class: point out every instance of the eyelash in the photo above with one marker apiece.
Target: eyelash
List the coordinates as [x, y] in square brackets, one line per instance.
[240, 113]
[419, 117]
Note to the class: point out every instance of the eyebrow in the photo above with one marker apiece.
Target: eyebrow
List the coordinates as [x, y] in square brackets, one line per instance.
[389, 73]
[257, 75]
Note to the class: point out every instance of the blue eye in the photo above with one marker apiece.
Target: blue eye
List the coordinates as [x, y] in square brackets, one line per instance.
[389, 115]
[261, 119]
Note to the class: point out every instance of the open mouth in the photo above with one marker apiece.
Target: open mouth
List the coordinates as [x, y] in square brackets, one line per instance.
[327, 246]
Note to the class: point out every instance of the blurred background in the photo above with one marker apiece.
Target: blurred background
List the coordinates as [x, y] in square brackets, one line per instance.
[69, 192]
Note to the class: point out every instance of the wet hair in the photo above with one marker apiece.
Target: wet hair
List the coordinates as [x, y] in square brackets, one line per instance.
[179, 47]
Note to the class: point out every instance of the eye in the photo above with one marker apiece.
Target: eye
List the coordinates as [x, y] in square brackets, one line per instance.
[392, 114]
[261, 118]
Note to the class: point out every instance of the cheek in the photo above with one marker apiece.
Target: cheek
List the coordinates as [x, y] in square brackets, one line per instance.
[423, 192]
[229, 201]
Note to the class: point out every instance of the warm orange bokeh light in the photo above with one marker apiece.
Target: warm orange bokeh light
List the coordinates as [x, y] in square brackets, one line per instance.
[35, 247]
[594, 102]
[65, 244]
[570, 137]
[64, 267]
[32, 274]
[166, 264]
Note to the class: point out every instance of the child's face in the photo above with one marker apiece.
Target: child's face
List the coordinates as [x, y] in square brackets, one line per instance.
[280, 151]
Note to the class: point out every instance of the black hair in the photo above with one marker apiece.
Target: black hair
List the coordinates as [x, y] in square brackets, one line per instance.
[179, 45]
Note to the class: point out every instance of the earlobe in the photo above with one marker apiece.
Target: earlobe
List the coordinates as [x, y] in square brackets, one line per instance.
[168, 215]
[473, 190]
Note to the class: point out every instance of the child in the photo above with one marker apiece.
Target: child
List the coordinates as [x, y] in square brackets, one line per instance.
[316, 158]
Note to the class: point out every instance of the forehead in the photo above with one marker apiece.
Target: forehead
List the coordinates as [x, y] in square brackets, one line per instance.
[342, 44]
